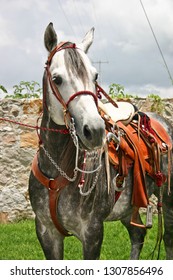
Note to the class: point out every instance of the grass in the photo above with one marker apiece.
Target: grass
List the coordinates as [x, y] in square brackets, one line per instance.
[18, 241]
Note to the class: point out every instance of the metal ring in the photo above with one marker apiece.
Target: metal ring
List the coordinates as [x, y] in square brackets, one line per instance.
[115, 185]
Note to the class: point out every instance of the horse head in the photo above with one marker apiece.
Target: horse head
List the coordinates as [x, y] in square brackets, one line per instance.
[71, 88]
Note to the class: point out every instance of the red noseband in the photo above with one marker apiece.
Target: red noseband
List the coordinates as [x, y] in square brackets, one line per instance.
[85, 92]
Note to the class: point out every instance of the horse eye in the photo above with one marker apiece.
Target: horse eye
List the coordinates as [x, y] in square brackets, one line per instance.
[57, 80]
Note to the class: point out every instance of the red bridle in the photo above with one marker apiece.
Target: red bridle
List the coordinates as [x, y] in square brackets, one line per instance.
[54, 88]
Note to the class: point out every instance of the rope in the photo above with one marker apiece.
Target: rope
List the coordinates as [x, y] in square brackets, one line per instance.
[62, 131]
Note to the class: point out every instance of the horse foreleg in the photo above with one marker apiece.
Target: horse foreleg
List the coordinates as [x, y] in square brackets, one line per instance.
[168, 231]
[92, 241]
[136, 235]
[50, 240]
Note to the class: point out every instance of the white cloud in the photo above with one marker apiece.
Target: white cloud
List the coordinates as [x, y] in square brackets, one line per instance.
[147, 89]
[6, 36]
[122, 37]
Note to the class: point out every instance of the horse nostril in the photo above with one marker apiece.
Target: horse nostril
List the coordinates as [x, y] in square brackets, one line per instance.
[87, 132]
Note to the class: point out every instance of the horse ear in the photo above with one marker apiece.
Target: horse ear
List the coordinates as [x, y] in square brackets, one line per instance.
[50, 37]
[87, 41]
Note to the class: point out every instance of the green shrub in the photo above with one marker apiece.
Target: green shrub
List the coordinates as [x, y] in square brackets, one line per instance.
[26, 90]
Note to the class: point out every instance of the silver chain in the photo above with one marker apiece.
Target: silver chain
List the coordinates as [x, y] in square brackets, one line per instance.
[72, 131]
[92, 187]
[59, 168]
[92, 154]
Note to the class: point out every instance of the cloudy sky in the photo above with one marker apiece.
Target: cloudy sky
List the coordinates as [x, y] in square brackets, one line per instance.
[123, 40]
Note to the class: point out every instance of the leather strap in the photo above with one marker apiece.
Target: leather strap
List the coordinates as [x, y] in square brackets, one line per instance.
[59, 47]
[54, 187]
[139, 197]
[100, 91]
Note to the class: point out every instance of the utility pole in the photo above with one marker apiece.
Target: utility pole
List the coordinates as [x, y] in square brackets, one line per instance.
[99, 62]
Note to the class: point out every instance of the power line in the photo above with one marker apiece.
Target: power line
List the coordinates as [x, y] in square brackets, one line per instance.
[66, 17]
[99, 62]
[78, 15]
[92, 5]
[167, 68]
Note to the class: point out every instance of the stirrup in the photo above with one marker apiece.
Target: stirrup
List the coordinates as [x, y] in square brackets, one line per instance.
[149, 216]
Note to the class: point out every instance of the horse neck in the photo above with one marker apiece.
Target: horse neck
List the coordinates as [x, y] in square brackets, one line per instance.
[58, 145]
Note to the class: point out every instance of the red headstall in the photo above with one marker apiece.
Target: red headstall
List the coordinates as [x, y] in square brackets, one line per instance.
[54, 88]
[59, 47]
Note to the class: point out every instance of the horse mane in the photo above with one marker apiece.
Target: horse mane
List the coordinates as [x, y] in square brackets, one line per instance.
[74, 64]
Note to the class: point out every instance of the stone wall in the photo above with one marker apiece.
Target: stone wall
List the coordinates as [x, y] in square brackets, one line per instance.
[18, 146]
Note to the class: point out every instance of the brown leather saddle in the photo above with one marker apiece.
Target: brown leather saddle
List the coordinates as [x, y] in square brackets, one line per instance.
[138, 143]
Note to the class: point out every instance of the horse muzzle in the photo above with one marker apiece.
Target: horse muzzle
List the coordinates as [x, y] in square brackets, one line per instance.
[93, 134]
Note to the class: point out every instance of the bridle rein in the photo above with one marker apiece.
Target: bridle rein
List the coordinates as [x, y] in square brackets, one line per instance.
[54, 88]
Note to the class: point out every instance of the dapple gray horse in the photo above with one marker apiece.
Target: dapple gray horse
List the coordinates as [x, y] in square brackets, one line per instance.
[71, 147]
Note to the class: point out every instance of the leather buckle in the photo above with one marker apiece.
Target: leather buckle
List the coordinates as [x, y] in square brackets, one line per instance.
[51, 184]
